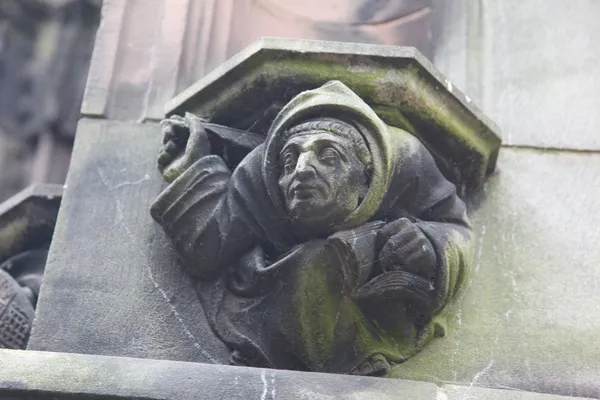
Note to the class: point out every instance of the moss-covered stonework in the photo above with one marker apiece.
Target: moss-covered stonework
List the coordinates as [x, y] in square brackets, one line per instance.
[398, 83]
[27, 219]
[528, 314]
[325, 309]
[61, 376]
[361, 288]
[526, 319]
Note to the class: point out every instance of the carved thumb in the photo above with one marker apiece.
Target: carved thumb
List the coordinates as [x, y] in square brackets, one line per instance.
[197, 145]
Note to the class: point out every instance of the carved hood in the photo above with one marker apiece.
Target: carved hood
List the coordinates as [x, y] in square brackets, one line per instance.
[333, 99]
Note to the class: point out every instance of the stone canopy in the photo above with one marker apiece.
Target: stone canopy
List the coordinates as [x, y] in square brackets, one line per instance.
[27, 219]
[400, 84]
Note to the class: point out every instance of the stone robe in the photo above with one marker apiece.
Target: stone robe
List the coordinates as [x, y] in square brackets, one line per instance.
[291, 302]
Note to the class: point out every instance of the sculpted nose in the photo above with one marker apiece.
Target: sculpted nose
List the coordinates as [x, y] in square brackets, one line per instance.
[304, 166]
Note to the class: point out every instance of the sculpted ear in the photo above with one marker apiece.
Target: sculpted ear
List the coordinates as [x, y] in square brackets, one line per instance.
[365, 181]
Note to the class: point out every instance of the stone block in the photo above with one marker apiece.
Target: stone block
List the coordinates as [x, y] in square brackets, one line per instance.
[528, 317]
[455, 392]
[41, 376]
[532, 66]
[112, 285]
[46, 376]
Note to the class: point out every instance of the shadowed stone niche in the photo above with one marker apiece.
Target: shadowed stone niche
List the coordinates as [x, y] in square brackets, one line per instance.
[307, 212]
[26, 224]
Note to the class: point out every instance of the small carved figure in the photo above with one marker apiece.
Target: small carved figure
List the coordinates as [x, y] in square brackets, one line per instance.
[333, 246]
[20, 281]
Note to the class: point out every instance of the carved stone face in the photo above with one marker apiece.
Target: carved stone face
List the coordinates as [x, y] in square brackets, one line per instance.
[322, 179]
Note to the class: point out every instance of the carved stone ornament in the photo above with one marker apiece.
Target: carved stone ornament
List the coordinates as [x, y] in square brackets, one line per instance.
[312, 194]
[26, 224]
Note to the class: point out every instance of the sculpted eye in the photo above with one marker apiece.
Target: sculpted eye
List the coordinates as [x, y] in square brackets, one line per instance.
[289, 162]
[329, 155]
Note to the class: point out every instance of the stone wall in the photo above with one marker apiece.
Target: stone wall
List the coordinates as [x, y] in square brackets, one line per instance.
[45, 48]
[529, 316]
[150, 50]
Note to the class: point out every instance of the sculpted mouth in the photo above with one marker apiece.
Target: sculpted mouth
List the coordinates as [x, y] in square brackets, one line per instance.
[303, 190]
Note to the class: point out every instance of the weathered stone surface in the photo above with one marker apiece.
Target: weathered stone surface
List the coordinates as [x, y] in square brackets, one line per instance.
[310, 279]
[112, 284]
[534, 66]
[64, 376]
[529, 316]
[27, 219]
[12, 152]
[26, 224]
[45, 54]
[454, 392]
[528, 319]
[39, 375]
[16, 313]
[398, 83]
[148, 51]
[45, 50]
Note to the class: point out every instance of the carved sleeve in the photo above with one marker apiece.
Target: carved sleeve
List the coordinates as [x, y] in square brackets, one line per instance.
[422, 194]
[442, 216]
[202, 215]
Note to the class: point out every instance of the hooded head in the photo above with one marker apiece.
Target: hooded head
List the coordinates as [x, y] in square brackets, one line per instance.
[327, 161]
[324, 169]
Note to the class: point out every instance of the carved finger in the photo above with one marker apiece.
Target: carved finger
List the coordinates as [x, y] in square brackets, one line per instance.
[409, 249]
[421, 259]
[416, 254]
[174, 130]
[198, 144]
[173, 120]
[399, 247]
[164, 159]
[167, 131]
[408, 234]
[177, 117]
[391, 229]
[171, 148]
[389, 255]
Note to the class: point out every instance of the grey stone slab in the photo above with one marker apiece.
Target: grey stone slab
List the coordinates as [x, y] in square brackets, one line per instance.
[450, 49]
[39, 375]
[529, 316]
[528, 319]
[112, 283]
[533, 66]
[454, 392]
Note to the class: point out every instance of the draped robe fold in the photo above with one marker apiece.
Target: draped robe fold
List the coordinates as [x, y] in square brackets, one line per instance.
[282, 301]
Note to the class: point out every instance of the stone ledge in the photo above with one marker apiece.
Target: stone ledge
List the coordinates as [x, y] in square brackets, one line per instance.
[529, 305]
[41, 375]
[27, 219]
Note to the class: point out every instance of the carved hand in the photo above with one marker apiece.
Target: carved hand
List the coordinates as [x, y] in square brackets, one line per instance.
[184, 142]
[406, 248]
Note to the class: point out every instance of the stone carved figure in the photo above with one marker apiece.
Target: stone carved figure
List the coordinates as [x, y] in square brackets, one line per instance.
[333, 246]
[20, 281]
